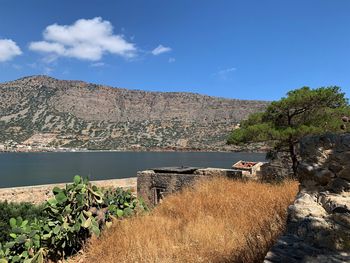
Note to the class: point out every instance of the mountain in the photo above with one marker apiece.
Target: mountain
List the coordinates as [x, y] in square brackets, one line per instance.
[43, 111]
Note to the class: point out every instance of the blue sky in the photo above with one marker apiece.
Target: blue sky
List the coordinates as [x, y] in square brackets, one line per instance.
[236, 49]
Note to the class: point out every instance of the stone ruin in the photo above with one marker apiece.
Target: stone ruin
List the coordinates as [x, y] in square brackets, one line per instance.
[318, 226]
[153, 185]
[249, 169]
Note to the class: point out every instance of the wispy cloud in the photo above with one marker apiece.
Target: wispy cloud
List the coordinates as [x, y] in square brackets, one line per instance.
[8, 50]
[97, 64]
[42, 68]
[86, 39]
[226, 71]
[224, 74]
[160, 50]
[17, 67]
[171, 60]
[47, 70]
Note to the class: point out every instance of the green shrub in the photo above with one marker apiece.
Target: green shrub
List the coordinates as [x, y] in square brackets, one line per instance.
[122, 203]
[69, 219]
[14, 210]
[25, 245]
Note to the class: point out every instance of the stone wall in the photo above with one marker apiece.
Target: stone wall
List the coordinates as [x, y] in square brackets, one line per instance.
[318, 227]
[40, 193]
[278, 168]
[153, 185]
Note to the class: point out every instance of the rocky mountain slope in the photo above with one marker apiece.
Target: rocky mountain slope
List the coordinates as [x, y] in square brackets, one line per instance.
[40, 110]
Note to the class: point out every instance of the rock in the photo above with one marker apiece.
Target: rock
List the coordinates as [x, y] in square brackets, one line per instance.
[345, 119]
[307, 172]
[338, 185]
[342, 158]
[335, 167]
[334, 202]
[324, 176]
[318, 227]
[345, 172]
[231, 173]
[278, 168]
[342, 219]
[341, 210]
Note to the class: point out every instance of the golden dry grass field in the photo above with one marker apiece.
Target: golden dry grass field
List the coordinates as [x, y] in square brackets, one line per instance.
[219, 220]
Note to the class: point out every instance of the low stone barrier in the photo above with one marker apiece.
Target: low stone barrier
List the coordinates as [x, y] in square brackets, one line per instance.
[318, 226]
[153, 185]
[40, 193]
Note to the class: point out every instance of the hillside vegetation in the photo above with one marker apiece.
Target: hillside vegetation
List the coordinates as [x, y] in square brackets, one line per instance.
[220, 220]
[40, 110]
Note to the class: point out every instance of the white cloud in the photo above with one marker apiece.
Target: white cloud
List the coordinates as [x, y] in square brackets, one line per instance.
[171, 60]
[8, 50]
[86, 39]
[47, 47]
[160, 50]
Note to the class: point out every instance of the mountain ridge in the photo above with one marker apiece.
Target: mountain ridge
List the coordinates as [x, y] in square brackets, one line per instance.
[85, 115]
[127, 89]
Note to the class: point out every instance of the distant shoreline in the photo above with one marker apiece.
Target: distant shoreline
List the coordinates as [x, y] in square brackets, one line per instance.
[133, 150]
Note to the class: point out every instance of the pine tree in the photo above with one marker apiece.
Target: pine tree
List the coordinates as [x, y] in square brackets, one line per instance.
[302, 112]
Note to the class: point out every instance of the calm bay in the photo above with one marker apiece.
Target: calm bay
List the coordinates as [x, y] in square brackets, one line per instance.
[22, 169]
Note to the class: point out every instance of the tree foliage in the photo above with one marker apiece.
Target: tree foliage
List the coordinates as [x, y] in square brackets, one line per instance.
[302, 112]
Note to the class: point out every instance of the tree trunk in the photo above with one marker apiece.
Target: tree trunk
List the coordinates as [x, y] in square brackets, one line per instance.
[292, 150]
[293, 156]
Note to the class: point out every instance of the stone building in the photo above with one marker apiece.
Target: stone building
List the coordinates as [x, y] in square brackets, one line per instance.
[251, 169]
[154, 184]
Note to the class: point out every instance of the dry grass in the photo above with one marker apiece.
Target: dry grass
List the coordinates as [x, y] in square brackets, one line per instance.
[220, 220]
